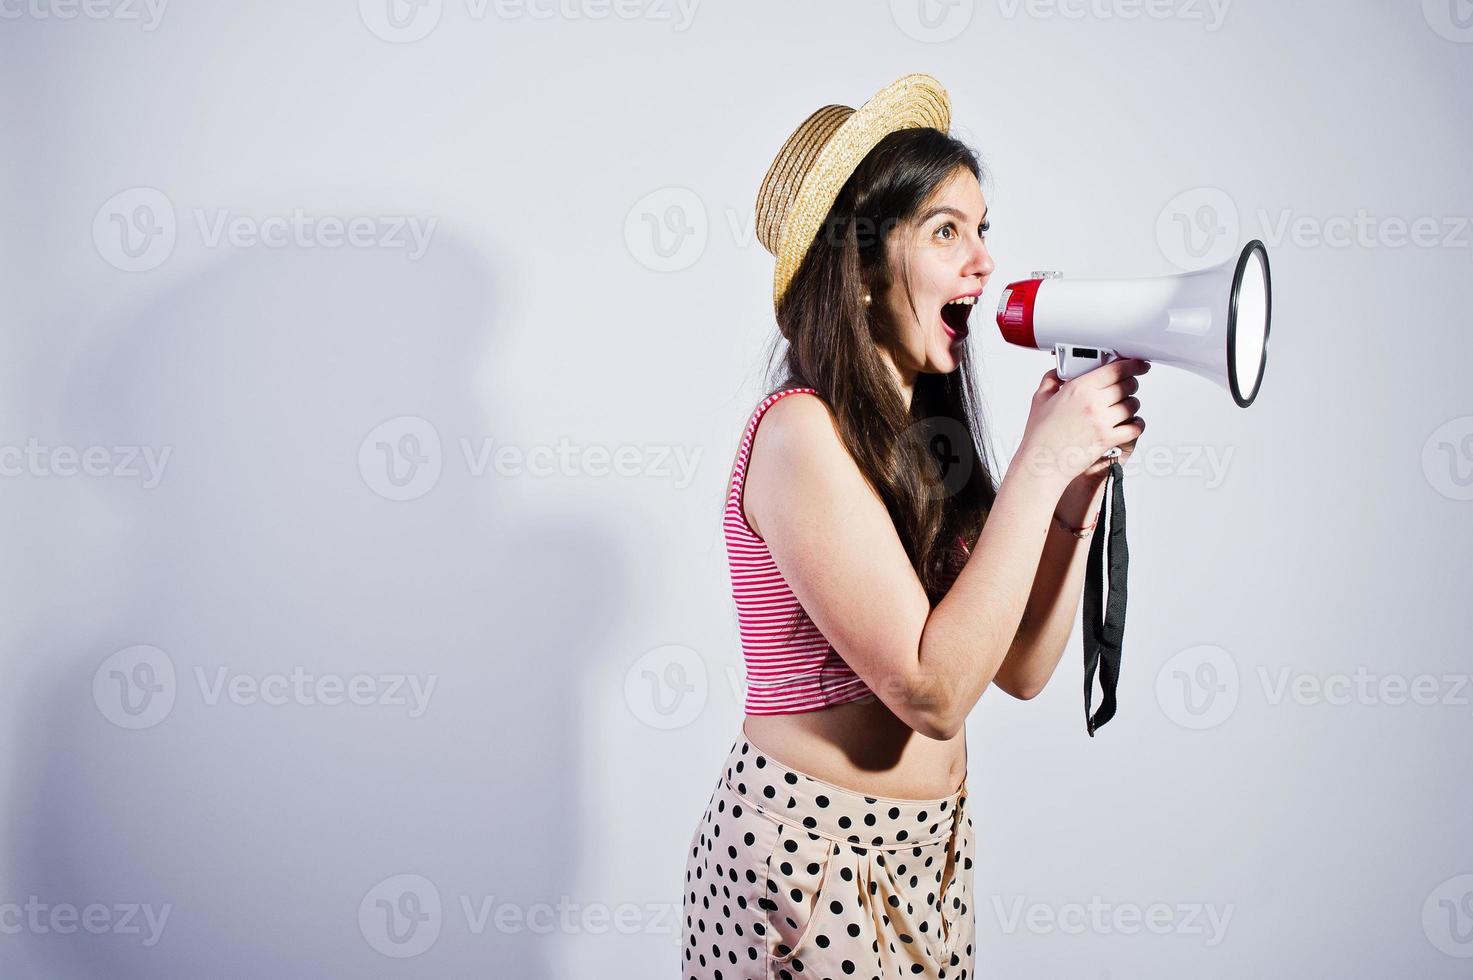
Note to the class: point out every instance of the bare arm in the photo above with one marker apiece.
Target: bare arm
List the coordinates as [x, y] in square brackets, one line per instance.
[1048, 619]
[967, 637]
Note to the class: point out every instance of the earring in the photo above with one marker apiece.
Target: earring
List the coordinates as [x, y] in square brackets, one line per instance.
[867, 299]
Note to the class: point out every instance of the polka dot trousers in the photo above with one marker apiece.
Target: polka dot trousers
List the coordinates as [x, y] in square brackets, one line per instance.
[790, 876]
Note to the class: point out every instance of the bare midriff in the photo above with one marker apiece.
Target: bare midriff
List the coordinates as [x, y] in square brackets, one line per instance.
[864, 747]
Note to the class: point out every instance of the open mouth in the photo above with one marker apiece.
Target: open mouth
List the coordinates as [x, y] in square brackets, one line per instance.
[955, 313]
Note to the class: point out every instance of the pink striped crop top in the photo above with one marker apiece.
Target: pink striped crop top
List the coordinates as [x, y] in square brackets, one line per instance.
[783, 676]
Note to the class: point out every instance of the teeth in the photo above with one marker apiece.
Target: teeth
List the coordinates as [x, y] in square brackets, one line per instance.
[963, 301]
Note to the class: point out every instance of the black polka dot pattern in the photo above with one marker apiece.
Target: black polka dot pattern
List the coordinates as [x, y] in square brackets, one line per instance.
[790, 876]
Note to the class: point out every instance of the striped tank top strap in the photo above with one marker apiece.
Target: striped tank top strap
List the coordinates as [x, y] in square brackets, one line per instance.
[745, 451]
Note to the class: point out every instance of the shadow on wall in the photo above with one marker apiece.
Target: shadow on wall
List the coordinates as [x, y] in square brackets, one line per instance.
[196, 784]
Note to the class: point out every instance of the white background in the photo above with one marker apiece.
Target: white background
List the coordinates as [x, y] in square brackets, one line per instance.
[591, 280]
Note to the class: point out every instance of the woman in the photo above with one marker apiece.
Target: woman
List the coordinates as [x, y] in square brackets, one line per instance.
[882, 578]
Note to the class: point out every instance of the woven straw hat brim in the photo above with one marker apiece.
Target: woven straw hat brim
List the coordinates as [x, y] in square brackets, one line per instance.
[823, 153]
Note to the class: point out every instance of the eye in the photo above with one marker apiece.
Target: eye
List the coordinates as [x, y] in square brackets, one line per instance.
[949, 226]
[983, 229]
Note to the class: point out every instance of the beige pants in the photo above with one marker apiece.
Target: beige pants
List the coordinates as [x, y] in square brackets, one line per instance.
[789, 876]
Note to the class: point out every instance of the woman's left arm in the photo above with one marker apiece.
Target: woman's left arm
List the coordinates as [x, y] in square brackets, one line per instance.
[1048, 618]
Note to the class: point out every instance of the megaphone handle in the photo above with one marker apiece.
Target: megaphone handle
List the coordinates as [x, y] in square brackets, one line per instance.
[1074, 360]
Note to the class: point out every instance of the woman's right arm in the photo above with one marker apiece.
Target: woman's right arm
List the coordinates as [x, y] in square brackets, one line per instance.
[968, 634]
[834, 542]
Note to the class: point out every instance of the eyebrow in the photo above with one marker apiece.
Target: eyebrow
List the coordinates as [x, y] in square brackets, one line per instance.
[945, 209]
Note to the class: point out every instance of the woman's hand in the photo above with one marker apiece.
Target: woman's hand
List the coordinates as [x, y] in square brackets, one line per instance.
[1080, 502]
[1071, 426]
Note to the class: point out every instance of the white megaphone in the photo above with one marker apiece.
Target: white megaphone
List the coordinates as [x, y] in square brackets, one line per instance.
[1213, 322]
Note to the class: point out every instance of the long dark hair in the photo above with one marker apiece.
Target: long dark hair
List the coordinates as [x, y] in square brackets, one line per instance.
[930, 463]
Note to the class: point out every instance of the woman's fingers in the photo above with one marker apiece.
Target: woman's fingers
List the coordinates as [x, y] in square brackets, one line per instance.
[1134, 425]
[1115, 372]
[1117, 393]
[1124, 409]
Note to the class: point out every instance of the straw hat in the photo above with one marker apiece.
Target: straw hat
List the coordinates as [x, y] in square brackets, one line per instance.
[818, 158]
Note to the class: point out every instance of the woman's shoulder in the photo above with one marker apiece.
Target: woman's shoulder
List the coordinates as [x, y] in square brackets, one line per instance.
[788, 395]
[799, 456]
[796, 420]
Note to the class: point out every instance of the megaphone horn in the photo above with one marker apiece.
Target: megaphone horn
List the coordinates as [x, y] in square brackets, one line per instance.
[1213, 322]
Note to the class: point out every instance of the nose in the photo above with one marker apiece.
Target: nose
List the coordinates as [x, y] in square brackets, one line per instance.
[979, 262]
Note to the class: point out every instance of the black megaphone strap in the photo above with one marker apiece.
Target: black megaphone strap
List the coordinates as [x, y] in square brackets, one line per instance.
[1103, 636]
